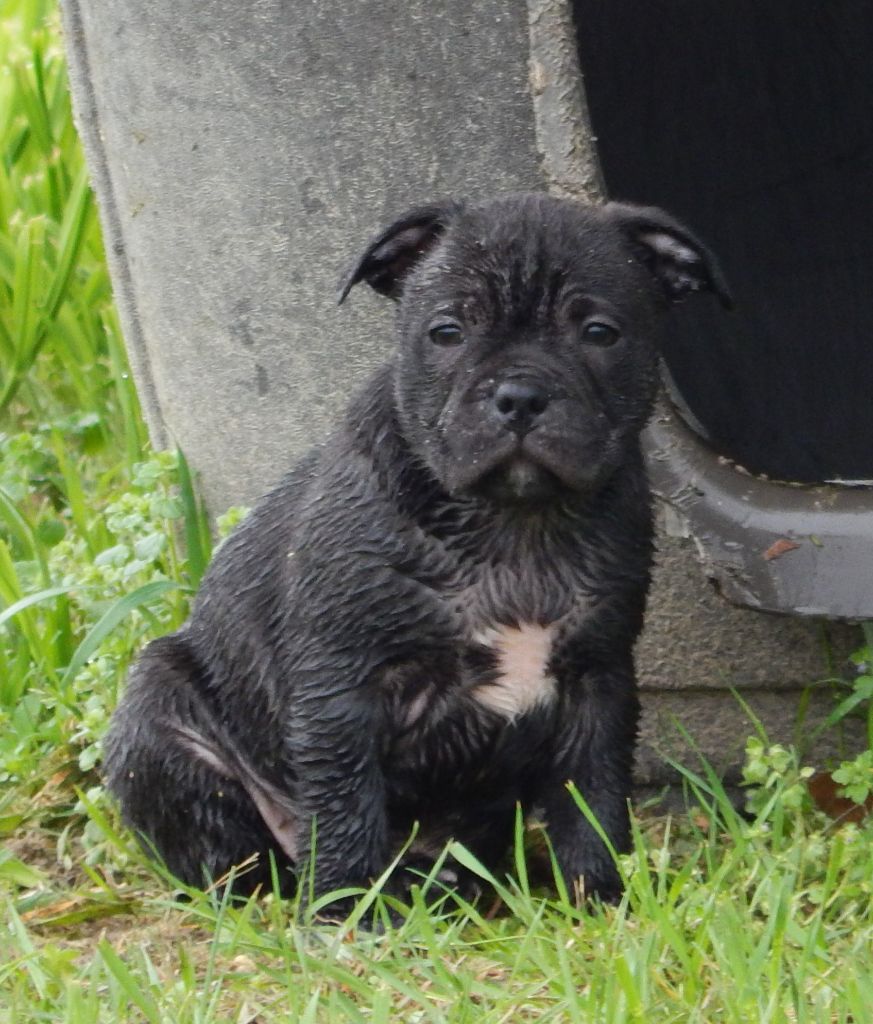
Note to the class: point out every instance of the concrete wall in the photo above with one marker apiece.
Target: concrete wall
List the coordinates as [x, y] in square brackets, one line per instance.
[242, 154]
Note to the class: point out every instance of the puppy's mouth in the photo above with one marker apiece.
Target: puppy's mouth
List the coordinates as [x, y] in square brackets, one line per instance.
[519, 480]
[539, 468]
[513, 471]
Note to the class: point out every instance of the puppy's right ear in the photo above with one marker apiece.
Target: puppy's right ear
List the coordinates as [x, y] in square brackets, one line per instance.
[395, 251]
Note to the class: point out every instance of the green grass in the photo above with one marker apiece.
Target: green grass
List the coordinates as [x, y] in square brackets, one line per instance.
[726, 919]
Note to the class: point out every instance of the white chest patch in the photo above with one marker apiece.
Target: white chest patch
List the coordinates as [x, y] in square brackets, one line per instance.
[523, 681]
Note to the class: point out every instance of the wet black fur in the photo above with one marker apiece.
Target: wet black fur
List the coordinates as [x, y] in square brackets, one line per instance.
[329, 655]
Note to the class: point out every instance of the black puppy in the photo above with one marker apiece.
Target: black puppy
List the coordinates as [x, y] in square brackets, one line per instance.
[432, 618]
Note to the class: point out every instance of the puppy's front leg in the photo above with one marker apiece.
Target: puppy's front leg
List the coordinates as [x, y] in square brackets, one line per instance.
[594, 752]
[334, 740]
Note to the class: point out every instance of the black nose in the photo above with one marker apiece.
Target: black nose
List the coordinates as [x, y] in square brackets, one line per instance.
[519, 404]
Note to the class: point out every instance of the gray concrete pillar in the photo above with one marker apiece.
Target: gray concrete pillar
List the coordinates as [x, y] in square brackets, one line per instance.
[242, 153]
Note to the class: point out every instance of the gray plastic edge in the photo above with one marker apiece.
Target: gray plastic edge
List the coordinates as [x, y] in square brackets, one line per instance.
[778, 547]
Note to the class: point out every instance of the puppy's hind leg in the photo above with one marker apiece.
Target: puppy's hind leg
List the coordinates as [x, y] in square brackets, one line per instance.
[182, 784]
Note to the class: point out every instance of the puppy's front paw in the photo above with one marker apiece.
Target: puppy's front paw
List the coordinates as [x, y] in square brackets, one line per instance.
[591, 884]
[590, 889]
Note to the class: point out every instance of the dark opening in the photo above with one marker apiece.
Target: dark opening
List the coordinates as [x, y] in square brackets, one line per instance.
[751, 120]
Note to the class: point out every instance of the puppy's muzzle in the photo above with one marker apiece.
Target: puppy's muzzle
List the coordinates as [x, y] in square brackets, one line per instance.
[519, 404]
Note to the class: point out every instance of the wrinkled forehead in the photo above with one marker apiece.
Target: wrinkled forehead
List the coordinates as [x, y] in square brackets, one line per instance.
[525, 259]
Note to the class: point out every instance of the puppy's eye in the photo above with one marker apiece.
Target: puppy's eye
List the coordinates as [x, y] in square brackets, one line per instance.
[446, 334]
[599, 333]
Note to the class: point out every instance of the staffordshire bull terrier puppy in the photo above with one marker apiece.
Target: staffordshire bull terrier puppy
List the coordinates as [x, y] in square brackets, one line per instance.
[432, 618]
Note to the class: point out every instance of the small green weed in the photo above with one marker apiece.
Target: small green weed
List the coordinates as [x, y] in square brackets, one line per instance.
[855, 775]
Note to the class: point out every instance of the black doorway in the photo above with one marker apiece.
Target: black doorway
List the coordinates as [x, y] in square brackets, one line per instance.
[752, 121]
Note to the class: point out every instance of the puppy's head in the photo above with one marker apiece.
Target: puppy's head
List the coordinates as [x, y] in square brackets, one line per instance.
[529, 335]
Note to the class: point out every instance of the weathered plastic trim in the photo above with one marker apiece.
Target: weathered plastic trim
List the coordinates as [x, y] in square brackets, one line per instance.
[736, 519]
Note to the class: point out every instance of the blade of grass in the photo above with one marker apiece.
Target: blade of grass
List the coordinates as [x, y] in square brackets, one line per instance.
[78, 209]
[74, 491]
[145, 594]
[11, 593]
[27, 302]
[135, 993]
[197, 537]
[32, 311]
[22, 533]
[27, 602]
[133, 431]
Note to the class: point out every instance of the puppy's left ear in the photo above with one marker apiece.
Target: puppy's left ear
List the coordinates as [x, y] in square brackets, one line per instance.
[679, 261]
[393, 253]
